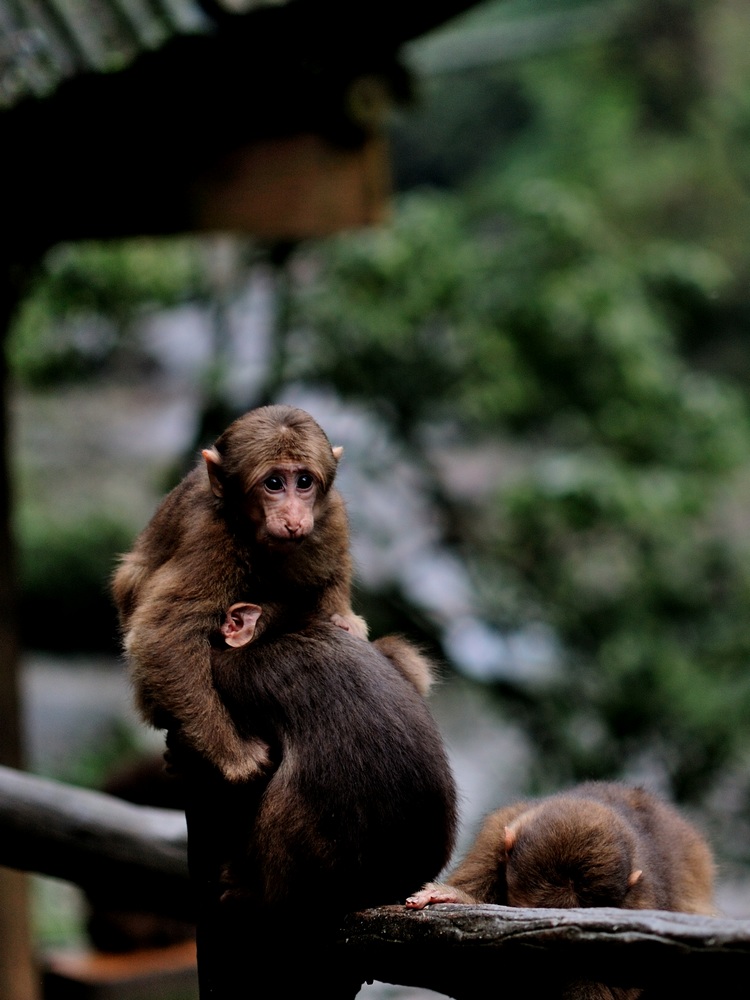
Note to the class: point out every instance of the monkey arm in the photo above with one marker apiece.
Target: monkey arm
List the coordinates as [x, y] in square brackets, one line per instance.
[335, 600]
[351, 623]
[329, 564]
[157, 543]
[482, 871]
[168, 646]
[127, 582]
[480, 876]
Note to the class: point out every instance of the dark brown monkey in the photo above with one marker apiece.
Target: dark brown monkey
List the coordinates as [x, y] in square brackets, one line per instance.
[240, 625]
[361, 797]
[599, 844]
[258, 519]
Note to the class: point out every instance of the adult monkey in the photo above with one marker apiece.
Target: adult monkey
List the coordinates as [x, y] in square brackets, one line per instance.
[360, 800]
[257, 519]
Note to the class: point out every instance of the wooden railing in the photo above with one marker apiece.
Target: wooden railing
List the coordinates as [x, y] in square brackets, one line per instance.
[90, 838]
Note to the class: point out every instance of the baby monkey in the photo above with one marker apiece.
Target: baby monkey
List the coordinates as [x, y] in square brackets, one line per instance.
[598, 844]
[258, 519]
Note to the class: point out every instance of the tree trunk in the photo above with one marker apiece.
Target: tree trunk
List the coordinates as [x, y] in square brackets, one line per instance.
[18, 976]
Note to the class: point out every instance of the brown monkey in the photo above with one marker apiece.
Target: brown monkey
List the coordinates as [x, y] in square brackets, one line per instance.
[257, 519]
[240, 624]
[599, 844]
[361, 797]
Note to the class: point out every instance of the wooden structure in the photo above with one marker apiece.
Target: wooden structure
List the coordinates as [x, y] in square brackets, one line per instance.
[130, 118]
[459, 951]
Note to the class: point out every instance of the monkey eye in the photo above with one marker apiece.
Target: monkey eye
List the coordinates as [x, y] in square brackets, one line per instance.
[274, 484]
[305, 481]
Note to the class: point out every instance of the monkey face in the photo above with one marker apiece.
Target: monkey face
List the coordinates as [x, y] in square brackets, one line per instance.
[274, 467]
[281, 505]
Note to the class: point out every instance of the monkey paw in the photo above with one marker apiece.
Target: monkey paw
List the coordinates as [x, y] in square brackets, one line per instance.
[442, 894]
[352, 623]
[253, 762]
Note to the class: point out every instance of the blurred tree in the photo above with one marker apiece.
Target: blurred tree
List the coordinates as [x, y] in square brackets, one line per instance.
[570, 295]
[81, 313]
[552, 303]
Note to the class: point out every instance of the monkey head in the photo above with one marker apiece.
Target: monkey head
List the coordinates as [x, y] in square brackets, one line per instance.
[569, 853]
[275, 466]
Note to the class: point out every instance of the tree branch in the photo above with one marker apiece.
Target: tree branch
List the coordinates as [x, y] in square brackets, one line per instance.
[93, 839]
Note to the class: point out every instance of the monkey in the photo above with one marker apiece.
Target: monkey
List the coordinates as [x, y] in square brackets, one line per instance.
[598, 844]
[240, 623]
[361, 796]
[257, 518]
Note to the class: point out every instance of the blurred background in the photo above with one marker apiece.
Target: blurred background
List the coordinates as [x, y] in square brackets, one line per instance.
[539, 369]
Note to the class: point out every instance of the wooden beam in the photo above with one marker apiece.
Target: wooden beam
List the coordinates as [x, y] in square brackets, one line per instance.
[459, 950]
[293, 188]
[95, 840]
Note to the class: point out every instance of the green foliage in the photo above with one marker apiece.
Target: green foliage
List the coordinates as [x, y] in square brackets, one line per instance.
[403, 293]
[84, 299]
[64, 570]
[647, 591]
[550, 309]
[575, 303]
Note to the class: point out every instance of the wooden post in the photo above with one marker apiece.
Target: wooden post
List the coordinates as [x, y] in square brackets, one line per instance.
[18, 978]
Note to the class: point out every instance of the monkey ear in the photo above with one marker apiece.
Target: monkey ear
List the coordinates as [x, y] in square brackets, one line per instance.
[634, 876]
[509, 840]
[338, 451]
[239, 625]
[213, 466]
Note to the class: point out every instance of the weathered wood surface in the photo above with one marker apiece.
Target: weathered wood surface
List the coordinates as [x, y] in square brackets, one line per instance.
[460, 950]
[93, 839]
[90, 838]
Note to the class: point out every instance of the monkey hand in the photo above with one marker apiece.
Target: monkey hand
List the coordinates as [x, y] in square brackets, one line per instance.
[351, 623]
[435, 892]
[253, 762]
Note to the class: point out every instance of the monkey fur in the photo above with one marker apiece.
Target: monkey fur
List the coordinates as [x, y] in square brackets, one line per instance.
[598, 844]
[257, 519]
[361, 797]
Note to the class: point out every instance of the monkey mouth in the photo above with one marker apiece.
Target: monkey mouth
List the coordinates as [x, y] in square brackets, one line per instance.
[285, 543]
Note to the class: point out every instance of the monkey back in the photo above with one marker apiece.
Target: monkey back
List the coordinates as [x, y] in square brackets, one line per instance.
[361, 807]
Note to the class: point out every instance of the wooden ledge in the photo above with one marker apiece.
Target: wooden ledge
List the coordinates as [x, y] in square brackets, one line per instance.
[458, 950]
[138, 852]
